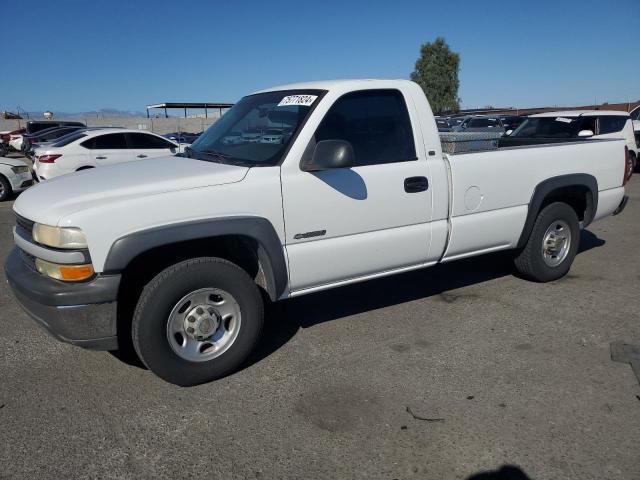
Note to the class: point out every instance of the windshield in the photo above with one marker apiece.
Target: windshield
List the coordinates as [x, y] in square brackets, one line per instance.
[57, 133]
[67, 139]
[512, 122]
[483, 123]
[548, 127]
[257, 130]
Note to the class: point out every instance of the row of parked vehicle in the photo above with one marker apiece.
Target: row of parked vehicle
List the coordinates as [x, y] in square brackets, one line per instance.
[479, 123]
[552, 127]
[61, 147]
[57, 148]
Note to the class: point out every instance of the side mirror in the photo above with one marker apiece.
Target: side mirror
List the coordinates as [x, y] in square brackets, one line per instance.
[585, 133]
[330, 154]
[508, 132]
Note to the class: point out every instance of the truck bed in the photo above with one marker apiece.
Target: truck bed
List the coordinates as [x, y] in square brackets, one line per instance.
[491, 190]
[455, 143]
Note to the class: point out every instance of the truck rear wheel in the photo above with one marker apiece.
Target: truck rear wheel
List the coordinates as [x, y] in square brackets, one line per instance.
[197, 320]
[552, 245]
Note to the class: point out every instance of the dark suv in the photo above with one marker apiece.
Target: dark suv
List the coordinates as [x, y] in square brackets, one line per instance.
[34, 126]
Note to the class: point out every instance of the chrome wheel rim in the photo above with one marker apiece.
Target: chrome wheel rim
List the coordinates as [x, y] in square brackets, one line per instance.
[203, 324]
[2, 191]
[556, 243]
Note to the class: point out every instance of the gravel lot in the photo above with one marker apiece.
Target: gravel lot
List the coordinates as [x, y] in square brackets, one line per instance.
[514, 378]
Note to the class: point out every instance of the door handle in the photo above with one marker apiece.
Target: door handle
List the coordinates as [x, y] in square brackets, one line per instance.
[416, 184]
[101, 158]
[142, 156]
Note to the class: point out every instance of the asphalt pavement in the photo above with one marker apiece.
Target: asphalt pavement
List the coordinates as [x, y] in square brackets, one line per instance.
[462, 371]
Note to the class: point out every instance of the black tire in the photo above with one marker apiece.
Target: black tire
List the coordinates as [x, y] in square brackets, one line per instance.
[530, 262]
[162, 294]
[5, 189]
[634, 163]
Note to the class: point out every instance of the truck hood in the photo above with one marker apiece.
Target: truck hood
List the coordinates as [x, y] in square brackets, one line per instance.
[49, 201]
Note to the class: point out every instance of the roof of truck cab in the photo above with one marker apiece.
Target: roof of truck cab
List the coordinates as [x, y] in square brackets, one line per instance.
[581, 113]
[336, 84]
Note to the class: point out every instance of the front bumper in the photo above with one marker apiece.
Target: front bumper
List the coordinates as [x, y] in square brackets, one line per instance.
[21, 181]
[83, 313]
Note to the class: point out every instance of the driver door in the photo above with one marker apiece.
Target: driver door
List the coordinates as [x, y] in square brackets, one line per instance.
[347, 223]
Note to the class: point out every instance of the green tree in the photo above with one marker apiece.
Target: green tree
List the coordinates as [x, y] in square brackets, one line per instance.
[437, 73]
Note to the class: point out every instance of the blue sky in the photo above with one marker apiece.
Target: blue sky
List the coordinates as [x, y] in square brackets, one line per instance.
[76, 56]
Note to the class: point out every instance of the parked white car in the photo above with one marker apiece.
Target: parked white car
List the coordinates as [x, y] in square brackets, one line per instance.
[96, 148]
[15, 176]
[563, 125]
[15, 141]
[635, 117]
[177, 257]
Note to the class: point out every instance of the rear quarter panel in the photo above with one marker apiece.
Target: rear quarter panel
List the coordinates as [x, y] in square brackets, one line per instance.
[491, 190]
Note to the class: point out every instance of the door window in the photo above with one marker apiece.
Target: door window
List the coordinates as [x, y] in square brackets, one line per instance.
[147, 142]
[110, 141]
[611, 124]
[589, 123]
[375, 122]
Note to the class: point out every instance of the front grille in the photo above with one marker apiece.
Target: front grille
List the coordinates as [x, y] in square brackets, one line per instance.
[24, 227]
[28, 259]
[24, 223]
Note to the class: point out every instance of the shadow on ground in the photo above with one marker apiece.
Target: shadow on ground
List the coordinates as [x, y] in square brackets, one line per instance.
[506, 472]
[588, 241]
[284, 319]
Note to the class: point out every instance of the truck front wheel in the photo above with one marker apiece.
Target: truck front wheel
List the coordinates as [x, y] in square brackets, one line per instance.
[197, 320]
[552, 245]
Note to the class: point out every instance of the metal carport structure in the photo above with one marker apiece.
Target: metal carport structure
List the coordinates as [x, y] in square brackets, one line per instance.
[197, 105]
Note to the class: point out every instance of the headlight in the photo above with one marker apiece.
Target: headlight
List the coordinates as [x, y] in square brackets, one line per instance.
[59, 237]
[19, 170]
[67, 273]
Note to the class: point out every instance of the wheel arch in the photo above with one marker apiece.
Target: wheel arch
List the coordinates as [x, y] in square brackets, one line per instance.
[579, 190]
[4, 177]
[243, 240]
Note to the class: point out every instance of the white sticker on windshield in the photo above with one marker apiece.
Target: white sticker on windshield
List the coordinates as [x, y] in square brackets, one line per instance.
[304, 100]
[565, 120]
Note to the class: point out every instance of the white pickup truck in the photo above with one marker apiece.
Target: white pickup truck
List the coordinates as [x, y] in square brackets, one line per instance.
[175, 255]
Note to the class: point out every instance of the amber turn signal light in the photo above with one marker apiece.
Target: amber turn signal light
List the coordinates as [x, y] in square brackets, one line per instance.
[67, 273]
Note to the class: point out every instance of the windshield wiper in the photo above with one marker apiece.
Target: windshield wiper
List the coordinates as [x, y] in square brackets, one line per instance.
[222, 158]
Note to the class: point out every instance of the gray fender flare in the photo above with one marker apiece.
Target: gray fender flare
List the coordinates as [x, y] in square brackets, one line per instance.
[270, 250]
[543, 189]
